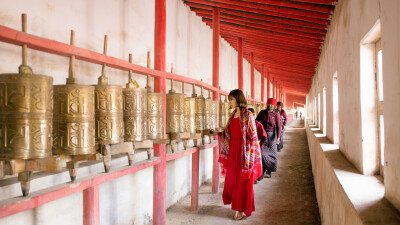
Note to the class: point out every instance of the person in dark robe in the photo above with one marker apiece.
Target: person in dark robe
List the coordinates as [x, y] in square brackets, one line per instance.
[283, 117]
[270, 119]
[240, 157]
[262, 136]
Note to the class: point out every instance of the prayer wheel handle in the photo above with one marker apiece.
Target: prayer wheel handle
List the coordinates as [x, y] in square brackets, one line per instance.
[24, 68]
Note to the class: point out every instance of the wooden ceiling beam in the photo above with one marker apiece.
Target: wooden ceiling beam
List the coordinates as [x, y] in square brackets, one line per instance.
[297, 5]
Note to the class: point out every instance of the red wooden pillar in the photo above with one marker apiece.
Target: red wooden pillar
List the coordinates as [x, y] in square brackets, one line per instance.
[159, 186]
[276, 90]
[252, 75]
[273, 88]
[240, 64]
[195, 181]
[262, 85]
[268, 86]
[216, 30]
[159, 175]
[91, 208]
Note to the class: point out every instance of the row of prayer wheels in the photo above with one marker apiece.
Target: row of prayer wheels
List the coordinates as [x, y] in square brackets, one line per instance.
[83, 115]
[39, 119]
[190, 114]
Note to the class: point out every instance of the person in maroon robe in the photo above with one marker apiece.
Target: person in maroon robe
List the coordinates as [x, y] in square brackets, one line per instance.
[270, 119]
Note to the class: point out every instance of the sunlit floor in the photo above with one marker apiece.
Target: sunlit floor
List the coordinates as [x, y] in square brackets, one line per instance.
[286, 198]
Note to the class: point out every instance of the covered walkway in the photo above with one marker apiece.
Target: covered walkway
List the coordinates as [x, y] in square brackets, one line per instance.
[286, 198]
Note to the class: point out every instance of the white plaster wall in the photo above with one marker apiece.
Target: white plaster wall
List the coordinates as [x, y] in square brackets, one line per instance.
[352, 20]
[130, 29]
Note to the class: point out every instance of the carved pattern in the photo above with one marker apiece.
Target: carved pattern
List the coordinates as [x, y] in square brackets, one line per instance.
[135, 114]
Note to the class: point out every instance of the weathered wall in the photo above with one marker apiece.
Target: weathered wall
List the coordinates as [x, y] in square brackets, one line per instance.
[130, 28]
[343, 53]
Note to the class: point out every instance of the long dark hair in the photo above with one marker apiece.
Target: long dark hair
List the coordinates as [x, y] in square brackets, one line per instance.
[239, 96]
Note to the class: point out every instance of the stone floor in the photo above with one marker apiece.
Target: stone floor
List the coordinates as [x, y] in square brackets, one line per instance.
[286, 198]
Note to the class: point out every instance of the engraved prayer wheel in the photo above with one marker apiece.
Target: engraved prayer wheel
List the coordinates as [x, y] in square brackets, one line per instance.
[223, 113]
[135, 114]
[207, 114]
[200, 112]
[26, 115]
[73, 125]
[26, 112]
[155, 108]
[175, 111]
[214, 115]
[108, 110]
[190, 115]
[135, 110]
[155, 115]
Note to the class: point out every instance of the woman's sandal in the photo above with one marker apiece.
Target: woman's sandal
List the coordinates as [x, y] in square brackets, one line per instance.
[235, 217]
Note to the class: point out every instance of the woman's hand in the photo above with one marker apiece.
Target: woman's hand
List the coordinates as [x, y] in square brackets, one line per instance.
[277, 141]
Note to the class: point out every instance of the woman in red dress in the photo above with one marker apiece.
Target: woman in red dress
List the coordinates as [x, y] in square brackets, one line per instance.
[240, 157]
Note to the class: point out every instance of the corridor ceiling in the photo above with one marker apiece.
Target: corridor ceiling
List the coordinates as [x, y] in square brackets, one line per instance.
[285, 36]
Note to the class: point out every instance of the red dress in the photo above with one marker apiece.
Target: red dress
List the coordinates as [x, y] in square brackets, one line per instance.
[237, 191]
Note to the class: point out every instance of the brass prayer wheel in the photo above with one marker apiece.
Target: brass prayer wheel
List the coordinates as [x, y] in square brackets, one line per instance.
[190, 114]
[74, 127]
[26, 112]
[155, 115]
[155, 108]
[175, 111]
[223, 113]
[207, 114]
[175, 105]
[214, 115]
[135, 110]
[26, 115]
[108, 110]
[200, 112]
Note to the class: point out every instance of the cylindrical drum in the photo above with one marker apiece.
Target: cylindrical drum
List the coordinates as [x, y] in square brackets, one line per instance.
[200, 113]
[26, 114]
[190, 114]
[207, 114]
[175, 112]
[155, 121]
[109, 115]
[213, 115]
[74, 129]
[223, 113]
[135, 114]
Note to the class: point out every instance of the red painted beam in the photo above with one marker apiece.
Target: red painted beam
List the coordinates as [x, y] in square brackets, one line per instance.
[322, 2]
[313, 17]
[296, 5]
[91, 206]
[36, 199]
[256, 16]
[216, 172]
[226, 27]
[261, 26]
[265, 24]
[248, 45]
[194, 206]
[240, 64]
